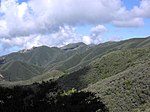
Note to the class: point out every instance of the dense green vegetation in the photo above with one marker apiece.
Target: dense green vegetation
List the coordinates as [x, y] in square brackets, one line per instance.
[47, 97]
[126, 91]
[117, 72]
[105, 67]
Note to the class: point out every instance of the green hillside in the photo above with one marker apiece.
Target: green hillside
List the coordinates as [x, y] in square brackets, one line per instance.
[39, 56]
[118, 72]
[16, 71]
[106, 66]
[121, 78]
[76, 58]
[69, 58]
[98, 51]
[127, 91]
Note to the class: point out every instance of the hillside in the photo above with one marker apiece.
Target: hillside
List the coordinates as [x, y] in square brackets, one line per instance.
[121, 78]
[16, 71]
[106, 66]
[72, 57]
[39, 56]
[91, 53]
[118, 72]
[127, 91]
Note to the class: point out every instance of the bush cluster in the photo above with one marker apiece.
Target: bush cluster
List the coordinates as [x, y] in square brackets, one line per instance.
[47, 97]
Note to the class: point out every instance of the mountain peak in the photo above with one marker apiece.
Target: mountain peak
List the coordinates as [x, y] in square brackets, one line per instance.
[73, 46]
[27, 50]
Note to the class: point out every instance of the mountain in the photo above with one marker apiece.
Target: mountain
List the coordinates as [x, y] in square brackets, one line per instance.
[73, 46]
[39, 56]
[117, 72]
[106, 66]
[121, 78]
[16, 71]
[71, 57]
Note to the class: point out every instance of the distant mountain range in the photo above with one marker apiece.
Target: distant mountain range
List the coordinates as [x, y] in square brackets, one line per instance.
[67, 59]
[118, 72]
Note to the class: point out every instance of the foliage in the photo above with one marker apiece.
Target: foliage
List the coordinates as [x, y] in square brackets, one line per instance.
[105, 67]
[118, 72]
[126, 91]
[46, 97]
[69, 92]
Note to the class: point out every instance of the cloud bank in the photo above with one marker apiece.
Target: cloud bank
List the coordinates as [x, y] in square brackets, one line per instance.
[53, 22]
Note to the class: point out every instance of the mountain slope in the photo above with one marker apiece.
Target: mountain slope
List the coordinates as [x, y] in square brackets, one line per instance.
[16, 70]
[98, 51]
[104, 67]
[39, 56]
[118, 72]
[90, 53]
[72, 57]
[127, 91]
[120, 78]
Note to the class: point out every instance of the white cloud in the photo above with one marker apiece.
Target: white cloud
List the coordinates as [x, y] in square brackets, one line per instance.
[45, 16]
[99, 29]
[29, 18]
[3, 28]
[22, 9]
[87, 39]
[133, 22]
[96, 33]
[134, 17]
[64, 36]
[143, 10]
[52, 22]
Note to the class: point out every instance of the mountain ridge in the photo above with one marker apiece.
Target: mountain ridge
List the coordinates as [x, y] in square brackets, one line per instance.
[78, 56]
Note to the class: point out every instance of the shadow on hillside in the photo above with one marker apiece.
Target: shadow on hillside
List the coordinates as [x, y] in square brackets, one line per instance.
[73, 80]
[47, 97]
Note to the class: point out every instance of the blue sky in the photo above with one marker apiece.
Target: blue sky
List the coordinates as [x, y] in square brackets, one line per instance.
[122, 33]
[20, 1]
[131, 3]
[25, 23]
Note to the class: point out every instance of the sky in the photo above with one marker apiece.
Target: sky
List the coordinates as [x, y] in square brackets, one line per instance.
[28, 23]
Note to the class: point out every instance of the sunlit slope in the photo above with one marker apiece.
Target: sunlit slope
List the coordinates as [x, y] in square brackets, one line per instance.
[127, 91]
[105, 67]
[121, 78]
